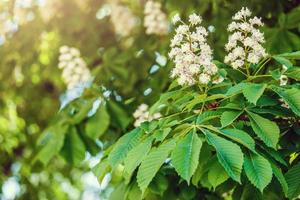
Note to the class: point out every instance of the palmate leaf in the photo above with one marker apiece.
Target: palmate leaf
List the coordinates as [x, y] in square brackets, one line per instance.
[229, 154]
[240, 137]
[252, 92]
[290, 96]
[258, 170]
[265, 129]
[293, 180]
[123, 146]
[152, 163]
[135, 157]
[228, 117]
[185, 156]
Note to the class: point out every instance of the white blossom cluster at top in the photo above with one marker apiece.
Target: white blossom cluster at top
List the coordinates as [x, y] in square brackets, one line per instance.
[74, 68]
[155, 20]
[245, 43]
[142, 114]
[191, 53]
[122, 19]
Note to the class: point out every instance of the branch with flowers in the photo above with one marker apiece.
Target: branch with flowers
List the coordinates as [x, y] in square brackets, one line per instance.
[222, 130]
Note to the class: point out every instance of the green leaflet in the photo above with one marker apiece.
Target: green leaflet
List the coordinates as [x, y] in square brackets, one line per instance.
[293, 55]
[258, 170]
[283, 61]
[135, 157]
[253, 92]
[278, 174]
[101, 169]
[294, 73]
[74, 148]
[216, 174]
[185, 156]
[228, 117]
[238, 88]
[229, 155]
[204, 158]
[152, 163]
[120, 116]
[240, 137]
[51, 142]
[293, 181]
[265, 129]
[123, 146]
[290, 96]
[208, 115]
[159, 184]
[98, 123]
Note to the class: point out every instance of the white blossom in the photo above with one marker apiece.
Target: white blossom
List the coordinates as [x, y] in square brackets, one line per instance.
[176, 18]
[142, 115]
[74, 67]
[195, 19]
[122, 19]
[155, 20]
[191, 53]
[245, 43]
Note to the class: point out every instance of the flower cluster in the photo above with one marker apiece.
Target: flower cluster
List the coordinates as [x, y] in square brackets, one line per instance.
[74, 67]
[155, 19]
[122, 19]
[142, 114]
[191, 53]
[245, 42]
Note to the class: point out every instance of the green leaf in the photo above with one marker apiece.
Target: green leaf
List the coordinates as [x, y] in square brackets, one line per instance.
[240, 137]
[294, 73]
[159, 184]
[118, 114]
[135, 157]
[98, 123]
[160, 135]
[152, 163]
[258, 170]
[283, 61]
[229, 155]
[74, 148]
[185, 156]
[278, 174]
[290, 96]
[253, 92]
[123, 146]
[238, 88]
[51, 142]
[208, 115]
[217, 175]
[228, 117]
[293, 181]
[101, 169]
[265, 129]
[204, 158]
[293, 55]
